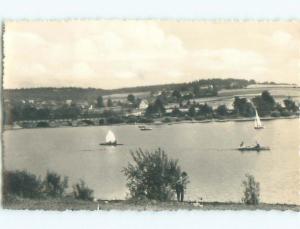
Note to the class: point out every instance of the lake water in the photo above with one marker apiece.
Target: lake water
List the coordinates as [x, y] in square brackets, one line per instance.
[204, 150]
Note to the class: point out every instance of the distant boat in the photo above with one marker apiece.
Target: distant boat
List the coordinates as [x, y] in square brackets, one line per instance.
[257, 123]
[110, 139]
[253, 148]
[256, 147]
[145, 128]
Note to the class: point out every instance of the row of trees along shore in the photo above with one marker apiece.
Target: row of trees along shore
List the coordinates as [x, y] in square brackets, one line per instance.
[242, 107]
[150, 176]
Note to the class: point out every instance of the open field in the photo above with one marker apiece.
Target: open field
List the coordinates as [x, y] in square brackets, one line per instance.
[275, 91]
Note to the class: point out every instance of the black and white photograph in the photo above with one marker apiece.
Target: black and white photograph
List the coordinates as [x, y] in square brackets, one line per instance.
[150, 115]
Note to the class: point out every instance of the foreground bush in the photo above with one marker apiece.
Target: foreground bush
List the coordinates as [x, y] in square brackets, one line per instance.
[54, 185]
[27, 185]
[82, 192]
[251, 190]
[152, 175]
[21, 183]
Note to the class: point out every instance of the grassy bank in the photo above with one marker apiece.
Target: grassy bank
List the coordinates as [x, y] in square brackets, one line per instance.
[69, 203]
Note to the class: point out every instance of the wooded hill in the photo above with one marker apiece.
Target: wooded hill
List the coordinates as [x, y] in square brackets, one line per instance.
[88, 94]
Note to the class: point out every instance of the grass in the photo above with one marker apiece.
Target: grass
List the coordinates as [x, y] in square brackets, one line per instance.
[69, 203]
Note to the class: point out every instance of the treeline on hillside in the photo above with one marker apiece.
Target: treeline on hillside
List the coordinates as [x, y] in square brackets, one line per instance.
[89, 94]
[219, 83]
[265, 104]
[56, 94]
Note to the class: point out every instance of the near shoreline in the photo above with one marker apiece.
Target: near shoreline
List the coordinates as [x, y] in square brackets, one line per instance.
[69, 203]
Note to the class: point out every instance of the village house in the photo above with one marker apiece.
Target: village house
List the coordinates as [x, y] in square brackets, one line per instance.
[68, 102]
[134, 112]
[143, 104]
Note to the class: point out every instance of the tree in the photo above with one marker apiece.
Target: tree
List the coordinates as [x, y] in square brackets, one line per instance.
[264, 103]
[82, 192]
[243, 107]
[109, 102]
[290, 105]
[21, 183]
[100, 102]
[54, 185]
[251, 190]
[205, 109]
[66, 112]
[177, 94]
[131, 98]
[177, 113]
[222, 110]
[152, 175]
[156, 108]
[268, 98]
[192, 111]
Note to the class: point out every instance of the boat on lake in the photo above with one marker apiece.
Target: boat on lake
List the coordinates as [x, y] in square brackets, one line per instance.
[143, 128]
[110, 140]
[256, 147]
[257, 123]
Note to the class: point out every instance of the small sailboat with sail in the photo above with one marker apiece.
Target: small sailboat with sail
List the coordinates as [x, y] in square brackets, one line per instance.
[257, 123]
[110, 139]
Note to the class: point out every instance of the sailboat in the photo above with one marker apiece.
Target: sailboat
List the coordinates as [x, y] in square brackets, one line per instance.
[110, 139]
[257, 123]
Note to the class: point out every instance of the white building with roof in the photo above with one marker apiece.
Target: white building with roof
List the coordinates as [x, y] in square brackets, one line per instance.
[143, 104]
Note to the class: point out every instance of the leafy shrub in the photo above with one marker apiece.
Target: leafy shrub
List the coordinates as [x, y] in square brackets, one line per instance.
[199, 118]
[152, 175]
[251, 190]
[209, 116]
[290, 105]
[114, 120]
[222, 110]
[286, 113]
[166, 120]
[145, 120]
[188, 118]
[131, 119]
[82, 192]
[54, 186]
[21, 183]
[275, 113]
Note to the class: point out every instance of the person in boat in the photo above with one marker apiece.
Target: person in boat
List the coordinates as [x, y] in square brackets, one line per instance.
[242, 144]
[180, 186]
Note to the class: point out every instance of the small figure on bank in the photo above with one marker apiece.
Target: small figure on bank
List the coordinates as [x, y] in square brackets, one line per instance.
[242, 144]
[181, 185]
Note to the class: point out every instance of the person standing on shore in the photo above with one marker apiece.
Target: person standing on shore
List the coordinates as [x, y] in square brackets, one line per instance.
[180, 186]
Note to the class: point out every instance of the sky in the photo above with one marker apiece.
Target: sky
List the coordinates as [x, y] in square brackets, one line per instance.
[114, 53]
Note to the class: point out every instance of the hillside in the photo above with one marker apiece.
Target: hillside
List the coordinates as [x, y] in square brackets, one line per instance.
[89, 94]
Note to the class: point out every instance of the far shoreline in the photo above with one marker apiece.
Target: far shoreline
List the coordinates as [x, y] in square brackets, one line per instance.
[159, 122]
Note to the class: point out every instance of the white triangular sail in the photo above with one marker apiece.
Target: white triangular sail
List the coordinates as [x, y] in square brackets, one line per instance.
[110, 137]
[257, 122]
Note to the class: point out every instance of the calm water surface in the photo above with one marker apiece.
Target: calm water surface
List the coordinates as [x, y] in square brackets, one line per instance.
[204, 150]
